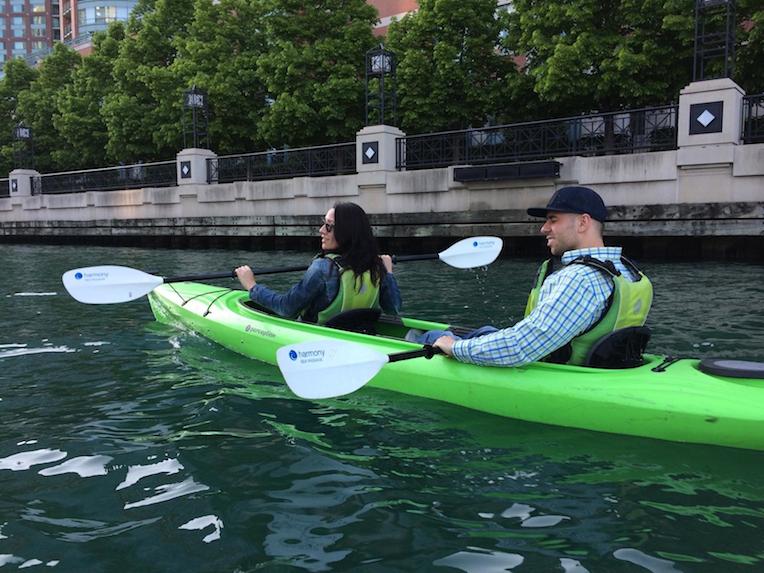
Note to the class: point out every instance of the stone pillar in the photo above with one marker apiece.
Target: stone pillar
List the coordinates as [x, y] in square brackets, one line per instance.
[375, 148]
[20, 182]
[192, 166]
[710, 122]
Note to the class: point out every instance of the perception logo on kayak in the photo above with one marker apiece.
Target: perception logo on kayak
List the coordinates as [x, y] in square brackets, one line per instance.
[484, 244]
[78, 276]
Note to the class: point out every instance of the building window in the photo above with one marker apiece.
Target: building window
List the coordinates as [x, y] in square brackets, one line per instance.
[38, 26]
[19, 49]
[37, 6]
[17, 7]
[17, 26]
[39, 45]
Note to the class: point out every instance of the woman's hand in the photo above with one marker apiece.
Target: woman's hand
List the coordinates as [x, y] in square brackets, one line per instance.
[387, 260]
[246, 277]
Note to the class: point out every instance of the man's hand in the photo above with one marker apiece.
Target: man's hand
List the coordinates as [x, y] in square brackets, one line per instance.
[446, 344]
[246, 277]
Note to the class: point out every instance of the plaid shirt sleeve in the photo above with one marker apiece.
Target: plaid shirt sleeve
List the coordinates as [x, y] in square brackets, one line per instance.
[576, 298]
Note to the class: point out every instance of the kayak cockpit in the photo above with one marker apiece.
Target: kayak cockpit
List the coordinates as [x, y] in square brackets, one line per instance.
[727, 368]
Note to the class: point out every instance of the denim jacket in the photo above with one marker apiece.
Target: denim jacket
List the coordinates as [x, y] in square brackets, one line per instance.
[316, 290]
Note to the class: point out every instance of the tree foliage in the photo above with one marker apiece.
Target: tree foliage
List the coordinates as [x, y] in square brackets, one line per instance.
[37, 106]
[314, 70]
[585, 55]
[220, 55]
[749, 68]
[449, 72]
[143, 112]
[78, 117]
[17, 79]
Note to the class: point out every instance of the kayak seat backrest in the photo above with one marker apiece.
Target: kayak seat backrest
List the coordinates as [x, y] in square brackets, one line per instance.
[621, 348]
[363, 320]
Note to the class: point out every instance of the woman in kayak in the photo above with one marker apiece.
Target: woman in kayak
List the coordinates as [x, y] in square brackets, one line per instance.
[348, 274]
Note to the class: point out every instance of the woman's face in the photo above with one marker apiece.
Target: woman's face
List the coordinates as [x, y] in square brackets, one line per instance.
[328, 242]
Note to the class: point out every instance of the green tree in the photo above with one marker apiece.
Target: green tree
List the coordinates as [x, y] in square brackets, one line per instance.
[37, 105]
[587, 55]
[450, 72]
[78, 116]
[220, 55]
[749, 72]
[314, 70]
[17, 79]
[143, 111]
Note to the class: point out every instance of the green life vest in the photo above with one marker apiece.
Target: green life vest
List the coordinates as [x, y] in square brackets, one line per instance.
[628, 306]
[354, 292]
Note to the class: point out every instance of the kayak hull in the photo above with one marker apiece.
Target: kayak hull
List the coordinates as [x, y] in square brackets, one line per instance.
[680, 403]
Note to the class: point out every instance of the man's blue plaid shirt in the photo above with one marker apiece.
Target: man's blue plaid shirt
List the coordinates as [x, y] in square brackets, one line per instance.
[571, 300]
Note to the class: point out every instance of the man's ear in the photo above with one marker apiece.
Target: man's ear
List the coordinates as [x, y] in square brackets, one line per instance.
[584, 222]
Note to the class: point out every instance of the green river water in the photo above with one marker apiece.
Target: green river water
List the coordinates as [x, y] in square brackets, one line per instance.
[126, 445]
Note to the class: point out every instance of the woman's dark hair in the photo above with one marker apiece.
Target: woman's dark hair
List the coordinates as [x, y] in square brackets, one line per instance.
[358, 247]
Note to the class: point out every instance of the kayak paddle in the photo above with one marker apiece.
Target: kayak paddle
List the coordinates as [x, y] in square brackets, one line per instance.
[111, 283]
[329, 368]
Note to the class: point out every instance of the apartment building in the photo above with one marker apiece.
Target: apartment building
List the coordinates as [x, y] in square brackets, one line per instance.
[27, 27]
[390, 10]
[80, 19]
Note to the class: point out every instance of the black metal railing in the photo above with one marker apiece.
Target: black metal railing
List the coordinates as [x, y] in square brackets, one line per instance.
[632, 131]
[753, 119]
[279, 164]
[5, 190]
[136, 176]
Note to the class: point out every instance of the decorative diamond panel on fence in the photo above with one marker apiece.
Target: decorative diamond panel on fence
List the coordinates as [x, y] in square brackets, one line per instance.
[632, 131]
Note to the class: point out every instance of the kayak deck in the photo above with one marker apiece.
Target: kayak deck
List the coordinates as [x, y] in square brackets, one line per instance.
[677, 402]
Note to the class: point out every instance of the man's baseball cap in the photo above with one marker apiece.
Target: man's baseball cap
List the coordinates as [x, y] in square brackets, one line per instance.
[573, 199]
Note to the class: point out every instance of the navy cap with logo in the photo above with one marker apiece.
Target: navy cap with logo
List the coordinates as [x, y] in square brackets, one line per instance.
[573, 199]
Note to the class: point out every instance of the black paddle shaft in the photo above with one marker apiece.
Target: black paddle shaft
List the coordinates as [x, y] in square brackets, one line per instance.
[232, 274]
[404, 258]
[427, 351]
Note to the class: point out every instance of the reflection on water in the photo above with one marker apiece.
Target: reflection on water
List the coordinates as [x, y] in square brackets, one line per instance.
[128, 445]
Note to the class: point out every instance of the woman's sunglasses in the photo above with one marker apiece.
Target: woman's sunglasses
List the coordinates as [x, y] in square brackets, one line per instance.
[329, 226]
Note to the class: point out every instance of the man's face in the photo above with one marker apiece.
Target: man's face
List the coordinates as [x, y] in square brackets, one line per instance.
[562, 232]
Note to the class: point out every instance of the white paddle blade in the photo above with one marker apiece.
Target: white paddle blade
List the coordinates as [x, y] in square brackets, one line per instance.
[327, 368]
[472, 252]
[108, 284]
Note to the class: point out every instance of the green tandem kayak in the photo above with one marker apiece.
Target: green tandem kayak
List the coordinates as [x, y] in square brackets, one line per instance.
[663, 399]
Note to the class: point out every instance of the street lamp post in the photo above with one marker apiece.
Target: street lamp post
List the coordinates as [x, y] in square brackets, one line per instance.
[714, 39]
[195, 105]
[23, 152]
[381, 97]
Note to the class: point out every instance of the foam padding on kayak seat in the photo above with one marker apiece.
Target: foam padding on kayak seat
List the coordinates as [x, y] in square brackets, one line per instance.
[732, 368]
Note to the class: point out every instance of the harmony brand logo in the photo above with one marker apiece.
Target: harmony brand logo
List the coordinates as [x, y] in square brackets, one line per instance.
[92, 276]
[307, 356]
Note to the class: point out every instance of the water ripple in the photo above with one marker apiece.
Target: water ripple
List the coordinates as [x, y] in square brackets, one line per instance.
[84, 466]
[25, 460]
[170, 491]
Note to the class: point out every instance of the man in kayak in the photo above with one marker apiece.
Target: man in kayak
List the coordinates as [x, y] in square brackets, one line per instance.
[594, 292]
[348, 274]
